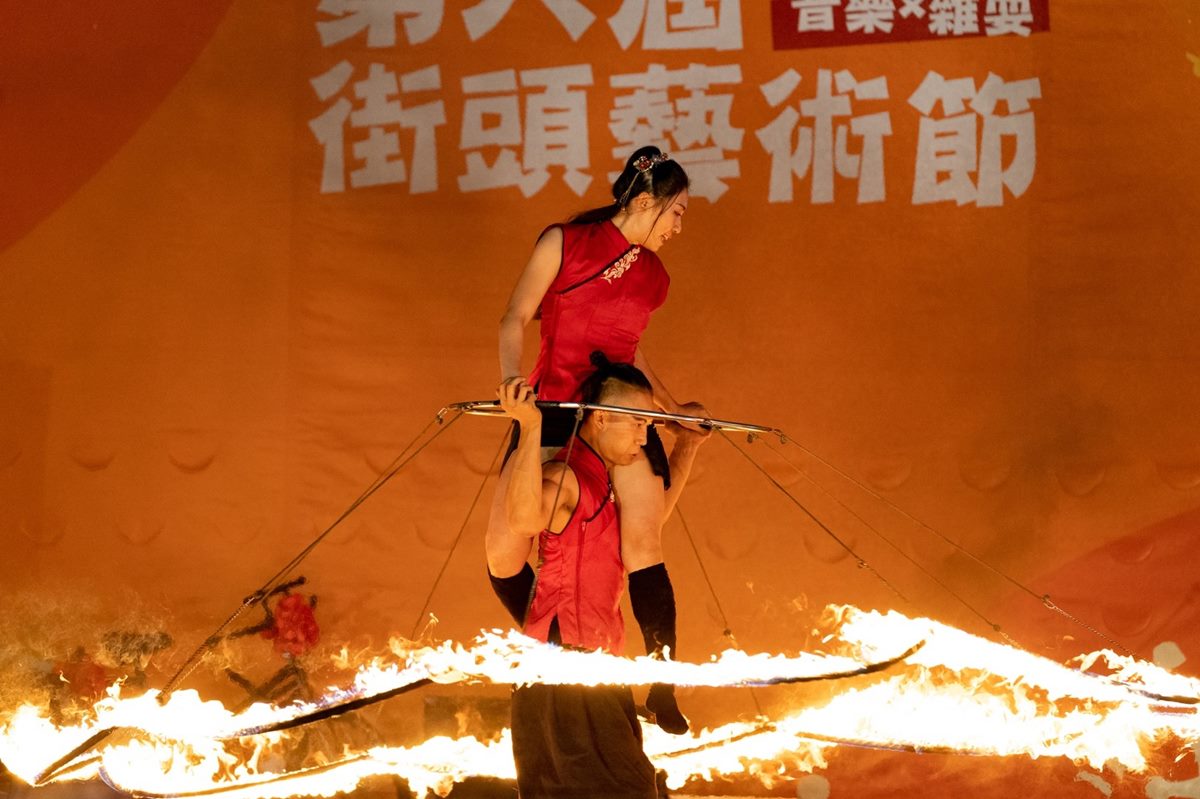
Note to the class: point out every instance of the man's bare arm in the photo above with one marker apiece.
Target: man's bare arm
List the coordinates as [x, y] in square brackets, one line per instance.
[534, 498]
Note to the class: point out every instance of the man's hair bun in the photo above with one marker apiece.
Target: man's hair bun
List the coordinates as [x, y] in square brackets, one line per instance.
[600, 382]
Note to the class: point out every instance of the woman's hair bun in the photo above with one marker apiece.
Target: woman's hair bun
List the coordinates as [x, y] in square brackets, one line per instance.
[658, 176]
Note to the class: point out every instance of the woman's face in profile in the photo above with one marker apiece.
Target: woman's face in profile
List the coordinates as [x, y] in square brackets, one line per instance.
[669, 222]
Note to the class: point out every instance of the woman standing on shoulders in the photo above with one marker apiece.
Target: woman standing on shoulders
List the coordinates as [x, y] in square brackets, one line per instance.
[596, 280]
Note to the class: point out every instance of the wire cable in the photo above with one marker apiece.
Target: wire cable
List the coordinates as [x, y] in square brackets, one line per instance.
[398, 464]
[457, 538]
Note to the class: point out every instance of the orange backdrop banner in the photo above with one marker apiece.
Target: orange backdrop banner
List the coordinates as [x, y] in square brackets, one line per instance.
[249, 248]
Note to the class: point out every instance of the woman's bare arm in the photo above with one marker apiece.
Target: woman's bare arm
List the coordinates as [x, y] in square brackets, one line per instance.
[540, 271]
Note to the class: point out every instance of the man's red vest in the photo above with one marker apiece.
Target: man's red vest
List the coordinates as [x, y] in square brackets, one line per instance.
[601, 299]
[580, 576]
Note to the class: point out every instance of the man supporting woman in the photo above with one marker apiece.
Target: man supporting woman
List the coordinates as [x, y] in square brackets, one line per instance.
[594, 282]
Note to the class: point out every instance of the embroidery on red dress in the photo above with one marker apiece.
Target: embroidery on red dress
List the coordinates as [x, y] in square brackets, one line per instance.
[621, 266]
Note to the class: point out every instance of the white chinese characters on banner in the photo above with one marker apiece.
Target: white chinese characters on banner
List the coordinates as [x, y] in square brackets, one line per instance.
[943, 18]
[421, 20]
[377, 158]
[695, 129]
[951, 147]
[554, 133]
[815, 15]
[485, 15]
[822, 148]
[975, 144]
[1008, 16]
[870, 16]
[663, 24]
[954, 17]
[679, 24]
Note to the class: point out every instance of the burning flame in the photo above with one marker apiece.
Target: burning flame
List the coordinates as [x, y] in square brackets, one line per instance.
[956, 693]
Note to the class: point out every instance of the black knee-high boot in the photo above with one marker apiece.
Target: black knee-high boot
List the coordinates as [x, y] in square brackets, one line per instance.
[653, 601]
[515, 592]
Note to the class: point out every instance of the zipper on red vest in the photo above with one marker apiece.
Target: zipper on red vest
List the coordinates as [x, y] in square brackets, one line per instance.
[578, 580]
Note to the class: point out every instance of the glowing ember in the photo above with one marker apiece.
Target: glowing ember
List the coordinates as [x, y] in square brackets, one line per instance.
[957, 693]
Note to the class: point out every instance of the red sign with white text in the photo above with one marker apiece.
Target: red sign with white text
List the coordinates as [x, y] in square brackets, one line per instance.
[797, 24]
